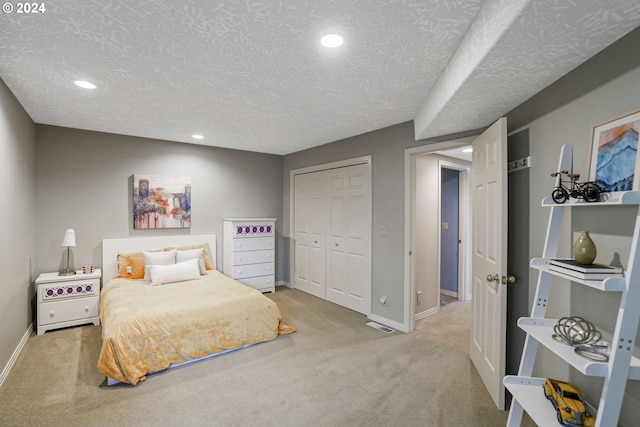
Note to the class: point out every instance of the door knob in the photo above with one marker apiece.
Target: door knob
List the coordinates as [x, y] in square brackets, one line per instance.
[493, 278]
[508, 279]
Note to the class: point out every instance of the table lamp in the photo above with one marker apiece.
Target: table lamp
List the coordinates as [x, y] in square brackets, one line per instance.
[68, 241]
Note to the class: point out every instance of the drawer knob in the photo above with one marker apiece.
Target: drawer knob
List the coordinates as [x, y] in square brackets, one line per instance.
[86, 309]
[240, 258]
[51, 314]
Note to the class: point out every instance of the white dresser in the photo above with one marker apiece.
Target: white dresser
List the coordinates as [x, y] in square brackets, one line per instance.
[67, 300]
[249, 251]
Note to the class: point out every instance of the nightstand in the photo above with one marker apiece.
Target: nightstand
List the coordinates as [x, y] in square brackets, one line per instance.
[67, 300]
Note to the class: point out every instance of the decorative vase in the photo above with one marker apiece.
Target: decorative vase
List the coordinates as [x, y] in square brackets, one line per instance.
[584, 250]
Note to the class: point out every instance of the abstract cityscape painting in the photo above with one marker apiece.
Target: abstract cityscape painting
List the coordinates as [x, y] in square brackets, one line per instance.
[614, 154]
[161, 202]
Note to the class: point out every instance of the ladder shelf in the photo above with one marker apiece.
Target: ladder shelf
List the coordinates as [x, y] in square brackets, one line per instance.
[622, 365]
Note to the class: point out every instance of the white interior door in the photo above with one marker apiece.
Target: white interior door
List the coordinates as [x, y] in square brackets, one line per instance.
[310, 235]
[489, 258]
[348, 238]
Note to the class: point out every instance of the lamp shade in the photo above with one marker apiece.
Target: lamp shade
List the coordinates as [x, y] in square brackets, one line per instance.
[69, 239]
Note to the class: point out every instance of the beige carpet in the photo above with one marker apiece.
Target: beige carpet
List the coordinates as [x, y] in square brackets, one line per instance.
[334, 371]
[449, 327]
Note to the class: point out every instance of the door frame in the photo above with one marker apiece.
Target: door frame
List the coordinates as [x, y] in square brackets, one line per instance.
[316, 168]
[409, 185]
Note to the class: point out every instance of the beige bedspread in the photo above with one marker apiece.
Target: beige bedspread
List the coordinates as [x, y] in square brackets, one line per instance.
[148, 328]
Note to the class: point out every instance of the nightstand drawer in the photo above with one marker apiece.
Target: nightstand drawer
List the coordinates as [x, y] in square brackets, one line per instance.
[252, 270]
[66, 310]
[67, 290]
[252, 257]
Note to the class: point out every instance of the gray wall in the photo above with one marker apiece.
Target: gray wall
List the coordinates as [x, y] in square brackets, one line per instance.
[84, 182]
[17, 227]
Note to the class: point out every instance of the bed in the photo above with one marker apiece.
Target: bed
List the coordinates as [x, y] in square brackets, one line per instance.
[168, 319]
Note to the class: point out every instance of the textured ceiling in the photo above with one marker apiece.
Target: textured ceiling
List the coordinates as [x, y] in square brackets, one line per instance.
[251, 74]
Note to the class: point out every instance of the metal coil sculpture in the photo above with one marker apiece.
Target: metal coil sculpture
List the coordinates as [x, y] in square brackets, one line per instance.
[583, 336]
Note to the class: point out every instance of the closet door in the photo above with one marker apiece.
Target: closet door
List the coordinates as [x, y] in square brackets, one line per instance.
[310, 233]
[349, 238]
[332, 227]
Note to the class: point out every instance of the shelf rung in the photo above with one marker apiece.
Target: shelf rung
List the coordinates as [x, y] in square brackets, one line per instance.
[542, 330]
[610, 284]
[609, 199]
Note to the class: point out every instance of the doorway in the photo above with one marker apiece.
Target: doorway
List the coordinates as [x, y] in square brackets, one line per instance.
[450, 237]
[427, 229]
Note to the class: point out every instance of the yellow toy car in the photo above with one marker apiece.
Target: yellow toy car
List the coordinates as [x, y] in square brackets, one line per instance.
[568, 403]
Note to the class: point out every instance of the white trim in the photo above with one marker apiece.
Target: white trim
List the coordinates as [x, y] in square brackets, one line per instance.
[409, 287]
[16, 353]
[283, 283]
[449, 293]
[426, 313]
[315, 168]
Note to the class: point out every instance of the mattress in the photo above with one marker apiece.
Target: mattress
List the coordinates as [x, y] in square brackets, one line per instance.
[147, 328]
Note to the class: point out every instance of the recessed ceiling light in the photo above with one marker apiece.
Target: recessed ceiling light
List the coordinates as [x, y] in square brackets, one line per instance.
[84, 84]
[467, 150]
[197, 136]
[331, 40]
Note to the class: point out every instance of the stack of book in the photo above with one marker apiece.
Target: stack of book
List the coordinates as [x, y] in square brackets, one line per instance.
[572, 268]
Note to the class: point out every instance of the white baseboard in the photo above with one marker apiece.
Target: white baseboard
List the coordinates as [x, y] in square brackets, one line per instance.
[426, 313]
[283, 283]
[449, 293]
[16, 353]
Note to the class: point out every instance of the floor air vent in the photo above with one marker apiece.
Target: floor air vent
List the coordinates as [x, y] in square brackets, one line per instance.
[380, 327]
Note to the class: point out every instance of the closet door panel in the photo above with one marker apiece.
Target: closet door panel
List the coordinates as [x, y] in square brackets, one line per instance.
[310, 224]
[358, 239]
[338, 228]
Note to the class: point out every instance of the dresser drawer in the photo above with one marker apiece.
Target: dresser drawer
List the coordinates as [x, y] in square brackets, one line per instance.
[252, 257]
[66, 310]
[252, 270]
[252, 244]
[262, 283]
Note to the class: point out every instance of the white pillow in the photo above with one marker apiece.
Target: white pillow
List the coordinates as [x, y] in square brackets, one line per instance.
[185, 255]
[187, 270]
[157, 258]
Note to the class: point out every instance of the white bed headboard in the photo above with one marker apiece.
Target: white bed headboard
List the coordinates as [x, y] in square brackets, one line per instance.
[112, 247]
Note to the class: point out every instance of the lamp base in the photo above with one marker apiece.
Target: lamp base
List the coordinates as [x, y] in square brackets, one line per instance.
[66, 273]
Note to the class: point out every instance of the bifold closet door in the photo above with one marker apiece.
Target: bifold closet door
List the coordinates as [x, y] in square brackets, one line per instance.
[332, 214]
[310, 232]
[348, 238]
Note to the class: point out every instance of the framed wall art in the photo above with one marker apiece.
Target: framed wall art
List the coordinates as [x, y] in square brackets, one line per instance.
[614, 154]
[161, 202]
